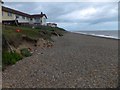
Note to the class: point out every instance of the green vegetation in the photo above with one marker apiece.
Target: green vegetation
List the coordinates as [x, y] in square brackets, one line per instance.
[29, 34]
[25, 52]
[10, 58]
[49, 28]
[34, 33]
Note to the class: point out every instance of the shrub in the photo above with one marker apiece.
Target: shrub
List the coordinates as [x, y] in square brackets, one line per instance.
[25, 52]
[9, 58]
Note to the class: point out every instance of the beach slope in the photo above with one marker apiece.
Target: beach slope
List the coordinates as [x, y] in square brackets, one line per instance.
[75, 61]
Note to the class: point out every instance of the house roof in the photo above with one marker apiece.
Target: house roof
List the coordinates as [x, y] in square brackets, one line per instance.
[52, 23]
[22, 13]
[14, 11]
[39, 15]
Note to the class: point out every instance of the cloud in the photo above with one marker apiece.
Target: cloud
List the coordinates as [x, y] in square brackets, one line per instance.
[27, 7]
[87, 27]
[80, 14]
[92, 14]
[74, 15]
[61, 0]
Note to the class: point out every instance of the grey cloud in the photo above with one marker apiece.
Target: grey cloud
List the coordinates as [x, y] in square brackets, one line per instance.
[56, 12]
[27, 7]
[103, 14]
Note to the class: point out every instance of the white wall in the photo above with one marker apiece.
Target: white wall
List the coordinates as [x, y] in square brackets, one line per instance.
[6, 17]
[44, 20]
[36, 21]
[21, 20]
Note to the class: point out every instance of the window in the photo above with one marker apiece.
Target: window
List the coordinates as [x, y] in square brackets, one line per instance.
[27, 18]
[37, 20]
[9, 14]
[23, 17]
[17, 16]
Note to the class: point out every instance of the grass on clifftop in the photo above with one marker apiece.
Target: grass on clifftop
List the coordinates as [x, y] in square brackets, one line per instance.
[44, 32]
[39, 32]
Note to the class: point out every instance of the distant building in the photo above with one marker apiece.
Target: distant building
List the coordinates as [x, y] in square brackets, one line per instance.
[10, 15]
[52, 24]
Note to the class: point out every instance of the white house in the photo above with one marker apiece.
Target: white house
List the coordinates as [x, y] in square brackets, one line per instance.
[10, 16]
[39, 18]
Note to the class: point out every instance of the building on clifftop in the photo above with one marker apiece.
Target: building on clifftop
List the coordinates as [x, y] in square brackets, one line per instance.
[9, 16]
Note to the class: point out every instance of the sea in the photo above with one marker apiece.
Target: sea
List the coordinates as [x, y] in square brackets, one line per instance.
[107, 34]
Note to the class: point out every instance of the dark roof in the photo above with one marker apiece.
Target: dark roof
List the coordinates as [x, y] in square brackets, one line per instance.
[14, 11]
[21, 13]
[39, 15]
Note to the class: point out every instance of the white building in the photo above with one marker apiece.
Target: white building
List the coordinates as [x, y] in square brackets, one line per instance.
[52, 24]
[11, 15]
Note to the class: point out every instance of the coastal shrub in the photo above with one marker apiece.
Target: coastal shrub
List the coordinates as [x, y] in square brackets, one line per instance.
[25, 52]
[9, 58]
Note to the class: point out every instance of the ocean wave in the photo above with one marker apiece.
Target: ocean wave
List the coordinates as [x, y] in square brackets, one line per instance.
[99, 35]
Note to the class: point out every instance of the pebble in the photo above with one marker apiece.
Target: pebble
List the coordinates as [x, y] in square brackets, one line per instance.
[77, 61]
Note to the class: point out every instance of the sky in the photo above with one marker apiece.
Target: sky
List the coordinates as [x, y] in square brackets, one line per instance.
[74, 16]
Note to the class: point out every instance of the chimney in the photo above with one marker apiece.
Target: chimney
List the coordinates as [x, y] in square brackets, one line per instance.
[41, 13]
[1, 1]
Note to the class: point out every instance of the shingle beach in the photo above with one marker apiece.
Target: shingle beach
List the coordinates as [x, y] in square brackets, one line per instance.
[75, 61]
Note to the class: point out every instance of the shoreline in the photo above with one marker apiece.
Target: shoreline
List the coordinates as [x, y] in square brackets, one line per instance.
[95, 35]
[75, 61]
